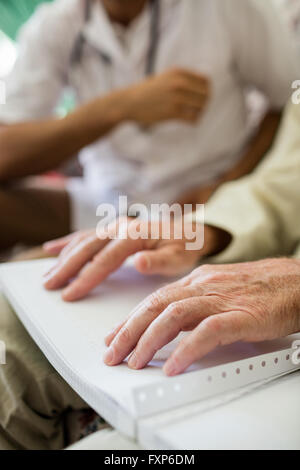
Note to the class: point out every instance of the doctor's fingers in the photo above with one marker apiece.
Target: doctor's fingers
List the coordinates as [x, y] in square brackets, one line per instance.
[72, 259]
[192, 100]
[190, 112]
[126, 336]
[183, 315]
[221, 329]
[185, 78]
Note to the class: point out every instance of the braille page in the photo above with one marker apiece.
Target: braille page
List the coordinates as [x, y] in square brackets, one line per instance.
[71, 335]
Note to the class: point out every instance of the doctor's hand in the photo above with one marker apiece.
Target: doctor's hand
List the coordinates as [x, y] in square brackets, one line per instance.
[177, 94]
[219, 305]
[90, 259]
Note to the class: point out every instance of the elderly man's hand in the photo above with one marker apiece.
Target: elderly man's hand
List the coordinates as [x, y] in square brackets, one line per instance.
[219, 304]
[92, 258]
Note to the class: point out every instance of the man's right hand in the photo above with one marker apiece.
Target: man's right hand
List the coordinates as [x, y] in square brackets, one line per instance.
[87, 260]
[177, 94]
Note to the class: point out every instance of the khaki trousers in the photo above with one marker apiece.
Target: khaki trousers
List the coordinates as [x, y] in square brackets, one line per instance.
[34, 399]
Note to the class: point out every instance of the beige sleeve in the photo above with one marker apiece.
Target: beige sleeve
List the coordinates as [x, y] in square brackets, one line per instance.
[261, 211]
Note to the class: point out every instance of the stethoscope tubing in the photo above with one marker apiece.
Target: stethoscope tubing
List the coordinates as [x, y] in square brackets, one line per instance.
[80, 41]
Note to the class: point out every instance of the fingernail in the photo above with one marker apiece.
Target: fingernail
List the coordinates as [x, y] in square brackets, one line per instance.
[133, 361]
[170, 369]
[50, 274]
[110, 334]
[109, 356]
[46, 275]
[70, 298]
[143, 261]
[67, 293]
[147, 261]
[47, 280]
[72, 292]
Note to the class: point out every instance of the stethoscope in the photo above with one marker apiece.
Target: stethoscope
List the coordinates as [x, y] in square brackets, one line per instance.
[81, 41]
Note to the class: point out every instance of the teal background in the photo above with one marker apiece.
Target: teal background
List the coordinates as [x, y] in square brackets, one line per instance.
[14, 13]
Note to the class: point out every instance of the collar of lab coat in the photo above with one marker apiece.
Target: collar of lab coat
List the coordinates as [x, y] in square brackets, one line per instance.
[100, 33]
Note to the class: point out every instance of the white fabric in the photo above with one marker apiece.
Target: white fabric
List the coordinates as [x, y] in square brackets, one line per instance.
[236, 43]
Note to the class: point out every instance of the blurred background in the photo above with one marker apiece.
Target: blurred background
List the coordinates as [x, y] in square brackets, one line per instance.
[13, 14]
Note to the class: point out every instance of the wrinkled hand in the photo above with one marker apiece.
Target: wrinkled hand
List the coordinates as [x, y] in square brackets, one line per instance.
[92, 259]
[176, 94]
[219, 304]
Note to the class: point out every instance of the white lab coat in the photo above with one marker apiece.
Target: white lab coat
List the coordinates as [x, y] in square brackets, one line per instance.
[237, 43]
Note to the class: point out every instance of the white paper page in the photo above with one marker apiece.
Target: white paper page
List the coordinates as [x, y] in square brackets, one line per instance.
[76, 331]
[265, 419]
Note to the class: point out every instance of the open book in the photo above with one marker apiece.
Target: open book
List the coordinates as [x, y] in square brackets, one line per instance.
[72, 338]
